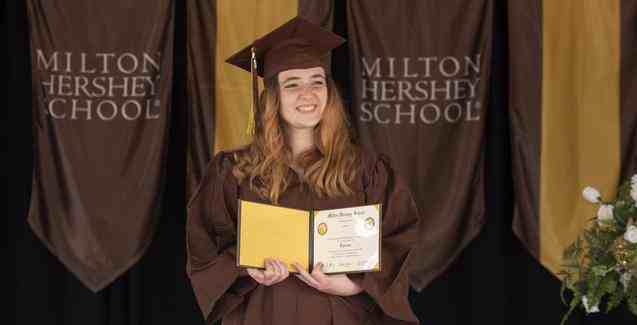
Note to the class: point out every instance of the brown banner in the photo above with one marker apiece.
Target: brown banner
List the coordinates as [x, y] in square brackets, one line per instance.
[320, 12]
[420, 84]
[628, 87]
[525, 115]
[202, 35]
[573, 114]
[102, 76]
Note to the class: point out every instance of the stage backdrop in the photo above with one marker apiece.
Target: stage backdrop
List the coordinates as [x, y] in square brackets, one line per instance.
[573, 114]
[101, 103]
[420, 82]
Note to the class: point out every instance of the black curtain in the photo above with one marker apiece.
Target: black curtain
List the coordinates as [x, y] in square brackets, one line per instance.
[494, 281]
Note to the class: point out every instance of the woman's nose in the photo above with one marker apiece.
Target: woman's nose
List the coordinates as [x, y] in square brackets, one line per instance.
[306, 91]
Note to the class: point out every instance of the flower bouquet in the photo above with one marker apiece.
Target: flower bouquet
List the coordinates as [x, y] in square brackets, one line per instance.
[601, 265]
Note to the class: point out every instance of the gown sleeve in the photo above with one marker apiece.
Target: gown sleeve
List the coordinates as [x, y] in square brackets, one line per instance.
[390, 287]
[219, 285]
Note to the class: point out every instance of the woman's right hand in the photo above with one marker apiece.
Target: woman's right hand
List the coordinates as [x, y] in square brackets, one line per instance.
[275, 272]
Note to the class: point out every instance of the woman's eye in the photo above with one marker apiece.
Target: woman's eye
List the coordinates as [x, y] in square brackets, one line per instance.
[318, 82]
[290, 86]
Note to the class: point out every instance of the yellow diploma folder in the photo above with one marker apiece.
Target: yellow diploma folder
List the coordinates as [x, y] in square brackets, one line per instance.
[268, 231]
[344, 240]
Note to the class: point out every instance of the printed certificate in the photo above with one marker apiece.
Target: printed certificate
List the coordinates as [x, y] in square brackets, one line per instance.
[347, 240]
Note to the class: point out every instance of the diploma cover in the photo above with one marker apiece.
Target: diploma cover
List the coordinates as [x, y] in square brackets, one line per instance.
[344, 240]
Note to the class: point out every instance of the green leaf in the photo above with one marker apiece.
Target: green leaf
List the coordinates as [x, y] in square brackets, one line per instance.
[615, 300]
[573, 250]
[563, 288]
[632, 304]
[600, 270]
[576, 301]
[609, 283]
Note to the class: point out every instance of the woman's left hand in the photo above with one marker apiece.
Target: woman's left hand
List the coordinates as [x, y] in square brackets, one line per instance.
[338, 284]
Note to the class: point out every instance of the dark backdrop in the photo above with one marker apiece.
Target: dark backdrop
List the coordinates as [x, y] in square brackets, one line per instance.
[494, 281]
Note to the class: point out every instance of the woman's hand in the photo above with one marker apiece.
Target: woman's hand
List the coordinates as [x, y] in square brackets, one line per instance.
[338, 284]
[275, 272]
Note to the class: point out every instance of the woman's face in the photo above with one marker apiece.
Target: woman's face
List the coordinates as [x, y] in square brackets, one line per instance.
[303, 94]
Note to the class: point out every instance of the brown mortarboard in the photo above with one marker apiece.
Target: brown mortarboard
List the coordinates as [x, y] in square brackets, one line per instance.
[297, 44]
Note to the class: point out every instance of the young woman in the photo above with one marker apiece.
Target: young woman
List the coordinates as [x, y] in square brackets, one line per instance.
[302, 157]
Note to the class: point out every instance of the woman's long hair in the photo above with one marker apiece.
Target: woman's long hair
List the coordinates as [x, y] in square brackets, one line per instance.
[329, 170]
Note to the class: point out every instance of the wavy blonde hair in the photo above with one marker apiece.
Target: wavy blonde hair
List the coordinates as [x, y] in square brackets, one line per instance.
[329, 170]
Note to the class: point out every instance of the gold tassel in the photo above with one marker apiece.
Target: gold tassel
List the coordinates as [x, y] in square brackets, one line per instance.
[255, 93]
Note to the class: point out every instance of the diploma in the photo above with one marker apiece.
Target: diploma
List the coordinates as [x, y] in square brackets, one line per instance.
[347, 240]
[344, 240]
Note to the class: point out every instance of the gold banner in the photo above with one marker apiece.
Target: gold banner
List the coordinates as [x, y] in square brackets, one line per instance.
[240, 23]
[580, 117]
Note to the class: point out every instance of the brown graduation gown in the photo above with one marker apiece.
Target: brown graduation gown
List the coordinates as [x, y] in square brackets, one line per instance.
[222, 291]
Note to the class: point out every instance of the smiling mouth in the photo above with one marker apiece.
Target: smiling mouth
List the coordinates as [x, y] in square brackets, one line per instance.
[306, 108]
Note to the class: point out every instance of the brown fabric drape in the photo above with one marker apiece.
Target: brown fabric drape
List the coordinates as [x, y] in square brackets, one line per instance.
[628, 87]
[420, 73]
[320, 12]
[201, 19]
[573, 114]
[525, 42]
[102, 74]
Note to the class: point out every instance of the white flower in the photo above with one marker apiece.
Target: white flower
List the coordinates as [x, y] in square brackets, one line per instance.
[589, 309]
[591, 194]
[633, 180]
[633, 193]
[631, 234]
[625, 279]
[605, 213]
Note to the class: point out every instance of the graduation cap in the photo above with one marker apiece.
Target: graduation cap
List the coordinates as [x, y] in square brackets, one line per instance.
[297, 44]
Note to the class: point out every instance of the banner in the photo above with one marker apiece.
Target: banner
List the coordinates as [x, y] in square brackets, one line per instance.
[573, 114]
[420, 76]
[101, 76]
[201, 38]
